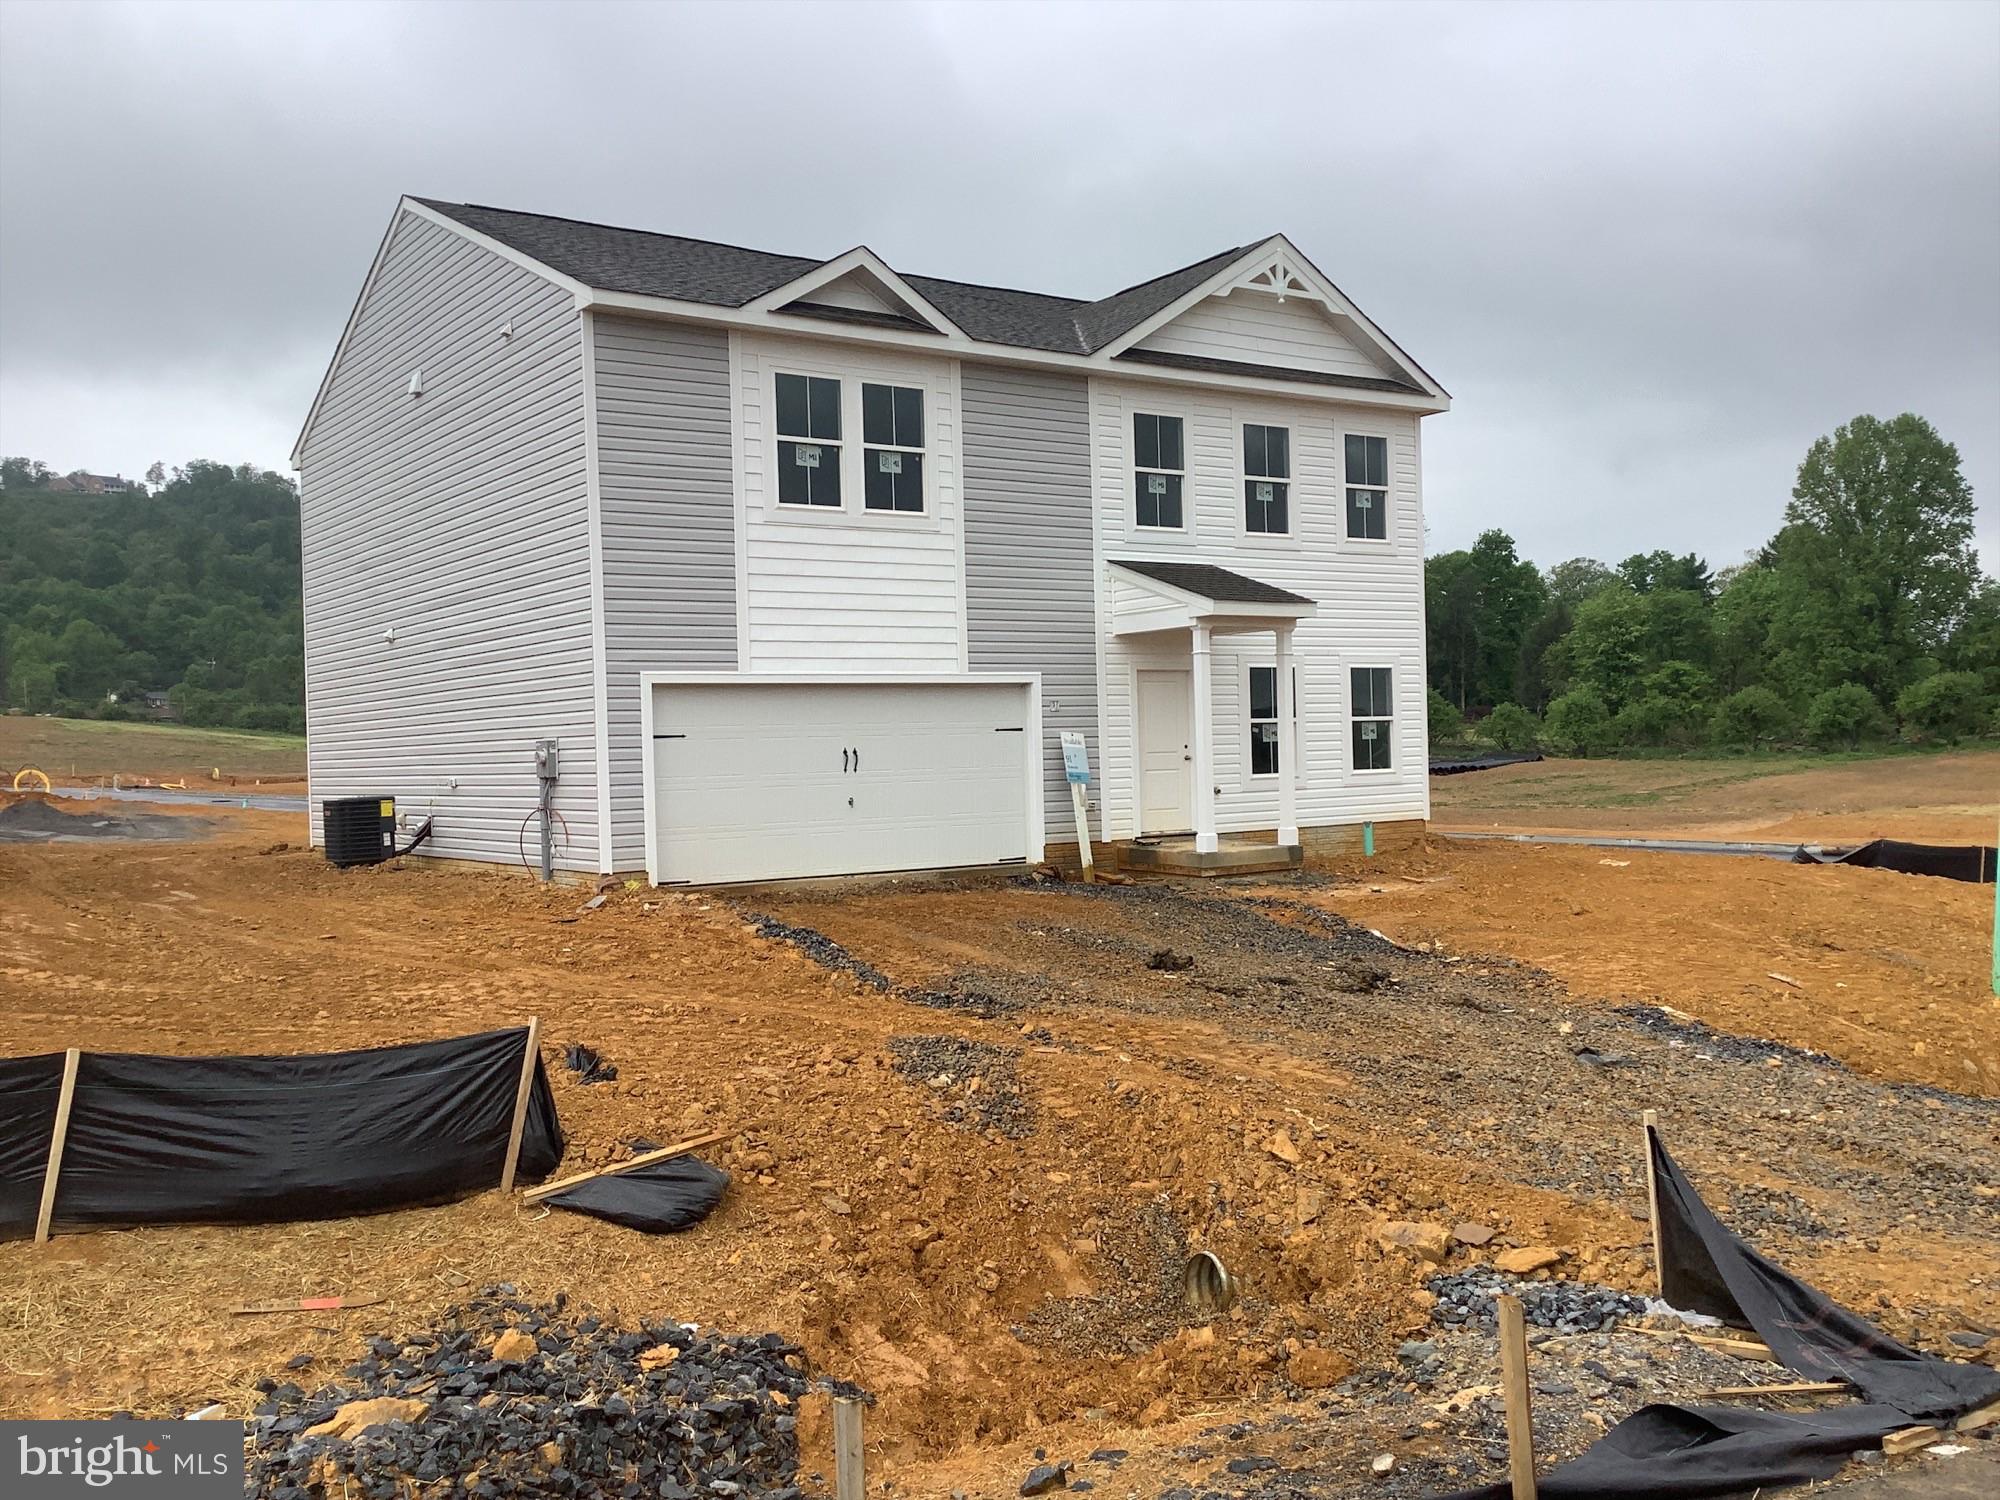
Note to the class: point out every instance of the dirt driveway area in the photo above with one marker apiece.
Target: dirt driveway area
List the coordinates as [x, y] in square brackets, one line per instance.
[983, 1122]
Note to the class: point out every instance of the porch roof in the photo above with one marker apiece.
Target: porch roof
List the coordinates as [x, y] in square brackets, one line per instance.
[1175, 595]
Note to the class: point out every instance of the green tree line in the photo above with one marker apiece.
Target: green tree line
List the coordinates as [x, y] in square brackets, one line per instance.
[1864, 617]
[191, 589]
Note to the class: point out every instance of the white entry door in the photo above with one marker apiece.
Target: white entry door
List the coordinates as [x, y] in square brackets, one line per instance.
[774, 780]
[1166, 756]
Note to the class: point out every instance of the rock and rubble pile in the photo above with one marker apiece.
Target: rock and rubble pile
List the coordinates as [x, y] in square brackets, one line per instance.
[1466, 1298]
[976, 1083]
[505, 1398]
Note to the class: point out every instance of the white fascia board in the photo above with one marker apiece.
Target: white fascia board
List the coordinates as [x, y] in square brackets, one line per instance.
[409, 205]
[1330, 296]
[860, 258]
[638, 305]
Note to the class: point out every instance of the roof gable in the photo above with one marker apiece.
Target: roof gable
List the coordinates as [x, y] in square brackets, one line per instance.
[1256, 326]
[859, 281]
[1276, 272]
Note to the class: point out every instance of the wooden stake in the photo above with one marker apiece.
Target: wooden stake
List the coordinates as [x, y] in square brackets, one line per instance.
[643, 1159]
[56, 1139]
[847, 1480]
[1649, 1121]
[1514, 1392]
[304, 1304]
[529, 1055]
[1076, 800]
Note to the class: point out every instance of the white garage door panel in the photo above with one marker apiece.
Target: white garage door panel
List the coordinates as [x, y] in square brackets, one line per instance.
[760, 781]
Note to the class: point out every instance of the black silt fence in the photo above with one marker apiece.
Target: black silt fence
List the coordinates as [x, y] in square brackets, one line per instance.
[167, 1140]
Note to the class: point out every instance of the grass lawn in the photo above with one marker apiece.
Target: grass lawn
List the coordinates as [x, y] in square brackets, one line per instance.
[85, 749]
[1939, 796]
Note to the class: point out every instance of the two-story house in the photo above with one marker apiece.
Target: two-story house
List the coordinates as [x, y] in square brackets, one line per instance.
[804, 565]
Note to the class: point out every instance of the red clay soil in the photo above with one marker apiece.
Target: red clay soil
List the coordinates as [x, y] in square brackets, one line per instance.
[999, 1288]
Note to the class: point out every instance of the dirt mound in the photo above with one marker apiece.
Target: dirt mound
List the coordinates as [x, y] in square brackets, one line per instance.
[29, 818]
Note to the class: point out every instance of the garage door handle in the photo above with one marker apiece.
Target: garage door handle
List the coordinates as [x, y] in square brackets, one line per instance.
[857, 757]
[843, 762]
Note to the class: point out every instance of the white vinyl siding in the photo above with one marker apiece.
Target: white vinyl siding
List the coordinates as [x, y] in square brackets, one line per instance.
[459, 520]
[828, 590]
[1370, 605]
[1251, 327]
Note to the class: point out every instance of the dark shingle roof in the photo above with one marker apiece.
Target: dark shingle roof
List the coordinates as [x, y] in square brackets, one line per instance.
[689, 270]
[1218, 584]
[1102, 322]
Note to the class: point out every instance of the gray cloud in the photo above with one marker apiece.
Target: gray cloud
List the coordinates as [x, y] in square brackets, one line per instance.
[1652, 251]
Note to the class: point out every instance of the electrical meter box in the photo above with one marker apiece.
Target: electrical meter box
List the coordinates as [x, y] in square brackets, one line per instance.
[545, 759]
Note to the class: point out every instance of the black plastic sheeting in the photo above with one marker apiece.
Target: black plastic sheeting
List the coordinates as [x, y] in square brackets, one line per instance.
[1707, 1269]
[1453, 765]
[166, 1140]
[657, 1199]
[1667, 1452]
[1973, 862]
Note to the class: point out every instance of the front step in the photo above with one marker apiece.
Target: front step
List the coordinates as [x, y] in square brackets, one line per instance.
[1230, 859]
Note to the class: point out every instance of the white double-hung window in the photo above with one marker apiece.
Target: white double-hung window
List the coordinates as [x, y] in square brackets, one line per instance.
[1159, 465]
[892, 452]
[1267, 473]
[809, 448]
[1367, 487]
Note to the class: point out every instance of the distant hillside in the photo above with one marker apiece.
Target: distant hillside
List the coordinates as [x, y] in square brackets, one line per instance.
[191, 590]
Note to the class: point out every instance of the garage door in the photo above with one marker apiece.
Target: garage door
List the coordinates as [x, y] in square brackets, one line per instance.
[772, 780]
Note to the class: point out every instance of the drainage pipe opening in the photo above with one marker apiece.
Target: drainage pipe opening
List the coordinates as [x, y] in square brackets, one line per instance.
[1206, 1285]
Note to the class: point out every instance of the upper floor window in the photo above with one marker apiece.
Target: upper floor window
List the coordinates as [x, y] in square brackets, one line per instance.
[1160, 466]
[808, 440]
[1367, 487]
[892, 454]
[1267, 472]
[1372, 711]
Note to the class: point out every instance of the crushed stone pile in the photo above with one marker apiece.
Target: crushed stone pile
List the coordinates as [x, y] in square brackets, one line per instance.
[975, 1084]
[505, 1398]
[1466, 1297]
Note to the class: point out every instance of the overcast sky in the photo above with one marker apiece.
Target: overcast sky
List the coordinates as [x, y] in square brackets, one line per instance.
[1652, 251]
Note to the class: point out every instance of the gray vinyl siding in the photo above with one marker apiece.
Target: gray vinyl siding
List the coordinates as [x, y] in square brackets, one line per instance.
[1030, 597]
[459, 519]
[668, 527]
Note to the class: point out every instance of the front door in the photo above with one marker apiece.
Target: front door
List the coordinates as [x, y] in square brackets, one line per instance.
[1166, 756]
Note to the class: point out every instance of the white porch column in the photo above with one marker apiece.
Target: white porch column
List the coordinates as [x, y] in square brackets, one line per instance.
[1288, 744]
[1204, 743]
